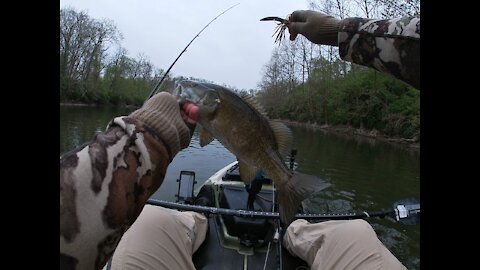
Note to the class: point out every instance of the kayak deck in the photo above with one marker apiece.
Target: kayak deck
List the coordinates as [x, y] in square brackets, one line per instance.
[212, 255]
[241, 242]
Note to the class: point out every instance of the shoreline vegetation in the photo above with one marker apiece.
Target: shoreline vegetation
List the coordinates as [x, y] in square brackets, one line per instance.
[413, 144]
[350, 131]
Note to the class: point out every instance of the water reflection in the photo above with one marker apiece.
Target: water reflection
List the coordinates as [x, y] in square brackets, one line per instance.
[364, 176]
[79, 124]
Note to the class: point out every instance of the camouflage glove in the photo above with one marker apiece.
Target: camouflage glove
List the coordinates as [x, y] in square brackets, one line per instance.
[317, 27]
[162, 113]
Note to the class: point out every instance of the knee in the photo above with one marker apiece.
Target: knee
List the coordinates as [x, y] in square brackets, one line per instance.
[357, 229]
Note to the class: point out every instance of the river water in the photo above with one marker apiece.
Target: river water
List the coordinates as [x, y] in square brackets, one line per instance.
[365, 174]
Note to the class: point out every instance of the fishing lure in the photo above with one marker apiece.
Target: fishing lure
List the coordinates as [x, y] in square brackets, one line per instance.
[280, 29]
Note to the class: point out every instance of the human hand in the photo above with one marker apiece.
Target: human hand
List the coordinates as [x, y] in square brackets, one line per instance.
[317, 27]
[170, 121]
[189, 112]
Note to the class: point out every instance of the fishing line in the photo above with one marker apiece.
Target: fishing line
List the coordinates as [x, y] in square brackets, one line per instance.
[266, 256]
[155, 88]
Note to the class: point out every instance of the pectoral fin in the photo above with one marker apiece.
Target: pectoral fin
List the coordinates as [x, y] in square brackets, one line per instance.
[205, 137]
[247, 173]
[283, 135]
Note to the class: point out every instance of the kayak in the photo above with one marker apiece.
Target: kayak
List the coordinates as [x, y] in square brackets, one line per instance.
[239, 242]
[244, 230]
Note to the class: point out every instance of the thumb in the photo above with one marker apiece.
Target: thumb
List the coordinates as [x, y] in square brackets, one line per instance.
[295, 28]
[190, 113]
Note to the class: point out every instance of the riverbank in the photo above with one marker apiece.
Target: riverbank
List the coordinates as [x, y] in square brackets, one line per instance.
[349, 130]
[346, 130]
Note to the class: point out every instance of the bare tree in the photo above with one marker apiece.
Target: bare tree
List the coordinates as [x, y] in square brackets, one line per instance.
[120, 66]
[369, 8]
[273, 87]
[398, 8]
[83, 46]
[143, 68]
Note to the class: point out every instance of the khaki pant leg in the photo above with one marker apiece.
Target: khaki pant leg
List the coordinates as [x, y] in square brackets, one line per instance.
[161, 238]
[344, 244]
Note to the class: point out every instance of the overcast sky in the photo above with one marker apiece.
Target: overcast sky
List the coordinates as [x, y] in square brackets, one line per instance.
[232, 50]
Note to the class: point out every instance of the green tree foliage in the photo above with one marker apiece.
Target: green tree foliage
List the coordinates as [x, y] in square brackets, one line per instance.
[363, 99]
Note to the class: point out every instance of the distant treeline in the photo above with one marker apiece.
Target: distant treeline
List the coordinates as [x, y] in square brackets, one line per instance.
[361, 98]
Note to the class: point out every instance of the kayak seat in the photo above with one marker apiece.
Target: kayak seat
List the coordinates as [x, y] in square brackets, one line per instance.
[232, 177]
[249, 230]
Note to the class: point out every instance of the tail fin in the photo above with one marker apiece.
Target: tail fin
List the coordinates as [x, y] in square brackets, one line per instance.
[298, 189]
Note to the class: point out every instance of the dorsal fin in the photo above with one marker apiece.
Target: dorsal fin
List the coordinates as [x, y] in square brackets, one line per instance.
[254, 103]
[284, 137]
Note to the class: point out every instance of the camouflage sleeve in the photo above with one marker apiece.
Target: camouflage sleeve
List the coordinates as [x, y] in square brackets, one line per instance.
[391, 46]
[104, 185]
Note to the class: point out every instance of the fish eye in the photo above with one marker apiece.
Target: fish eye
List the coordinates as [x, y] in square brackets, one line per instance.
[210, 98]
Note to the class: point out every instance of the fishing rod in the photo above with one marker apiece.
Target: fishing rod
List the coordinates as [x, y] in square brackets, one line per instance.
[405, 211]
[155, 88]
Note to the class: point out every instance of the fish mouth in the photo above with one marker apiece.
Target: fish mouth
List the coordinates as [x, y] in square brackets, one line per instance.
[187, 92]
[202, 94]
